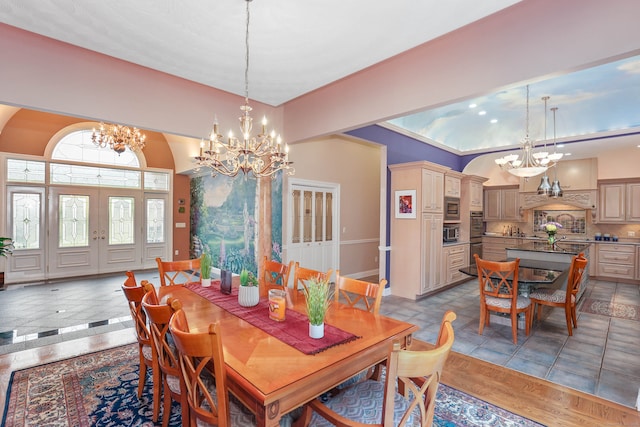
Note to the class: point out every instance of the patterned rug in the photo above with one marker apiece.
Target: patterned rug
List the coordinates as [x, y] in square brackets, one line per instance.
[100, 389]
[611, 309]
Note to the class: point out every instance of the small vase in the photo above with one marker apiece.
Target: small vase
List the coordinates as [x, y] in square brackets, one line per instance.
[316, 331]
[205, 282]
[248, 296]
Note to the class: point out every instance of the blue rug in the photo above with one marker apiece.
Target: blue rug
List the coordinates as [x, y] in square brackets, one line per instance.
[100, 389]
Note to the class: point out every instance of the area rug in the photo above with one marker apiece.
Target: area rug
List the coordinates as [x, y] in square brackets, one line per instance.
[100, 389]
[611, 309]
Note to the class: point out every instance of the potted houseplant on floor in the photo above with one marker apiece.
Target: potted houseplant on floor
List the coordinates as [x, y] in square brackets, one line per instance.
[6, 248]
[249, 292]
[318, 298]
[205, 270]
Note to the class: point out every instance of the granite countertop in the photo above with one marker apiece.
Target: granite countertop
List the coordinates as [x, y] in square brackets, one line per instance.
[624, 241]
[563, 247]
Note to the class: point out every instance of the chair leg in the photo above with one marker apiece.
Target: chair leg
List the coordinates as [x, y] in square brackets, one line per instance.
[574, 316]
[539, 311]
[514, 327]
[483, 314]
[155, 376]
[567, 315]
[166, 403]
[528, 316]
[142, 376]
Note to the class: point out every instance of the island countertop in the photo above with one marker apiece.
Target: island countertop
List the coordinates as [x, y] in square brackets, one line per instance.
[569, 248]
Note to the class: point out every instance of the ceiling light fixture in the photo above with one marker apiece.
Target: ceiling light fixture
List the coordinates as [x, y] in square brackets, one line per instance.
[118, 138]
[532, 163]
[545, 186]
[262, 155]
[556, 190]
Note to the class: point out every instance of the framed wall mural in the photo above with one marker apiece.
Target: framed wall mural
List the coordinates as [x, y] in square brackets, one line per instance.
[405, 201]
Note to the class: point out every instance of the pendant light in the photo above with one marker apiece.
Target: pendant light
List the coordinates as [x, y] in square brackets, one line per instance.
[556, 190]
[545, 187]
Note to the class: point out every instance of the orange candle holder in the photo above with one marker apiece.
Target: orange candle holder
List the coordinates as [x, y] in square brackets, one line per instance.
[277, 304]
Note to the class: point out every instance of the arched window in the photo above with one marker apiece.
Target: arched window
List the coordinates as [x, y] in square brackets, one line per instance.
[78, 147]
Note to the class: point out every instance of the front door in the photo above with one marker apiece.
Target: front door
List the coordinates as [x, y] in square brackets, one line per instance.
[93, 231]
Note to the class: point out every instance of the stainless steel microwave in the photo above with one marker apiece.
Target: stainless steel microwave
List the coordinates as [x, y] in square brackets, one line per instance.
[451, 209]
[450, 233]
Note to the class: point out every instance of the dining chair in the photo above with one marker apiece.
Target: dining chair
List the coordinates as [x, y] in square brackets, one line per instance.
[566, 298]
[499, 293]
[148, 357]
[205, 375]
[179, 272]
[498, 282]
[275, 276]
[302, 275]
[172, 385]
[361, 294]
[378, 403]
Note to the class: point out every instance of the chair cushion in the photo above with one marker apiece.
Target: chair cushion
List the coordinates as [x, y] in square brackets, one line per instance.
[522, 302]
[147, 353]
[549, 295]
[363, 402]
[174, 383]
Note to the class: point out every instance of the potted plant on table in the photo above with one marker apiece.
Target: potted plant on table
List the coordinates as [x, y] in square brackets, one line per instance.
[318, 298]
[6, 249]
[249, 292]
[205, 270]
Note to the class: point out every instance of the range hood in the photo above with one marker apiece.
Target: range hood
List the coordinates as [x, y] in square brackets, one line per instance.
[583, 199]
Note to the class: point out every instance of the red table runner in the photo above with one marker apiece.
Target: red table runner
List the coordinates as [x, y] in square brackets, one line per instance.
[294, 331]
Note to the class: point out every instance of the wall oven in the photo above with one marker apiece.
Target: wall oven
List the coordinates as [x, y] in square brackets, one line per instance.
[451, 209]
[475, 236]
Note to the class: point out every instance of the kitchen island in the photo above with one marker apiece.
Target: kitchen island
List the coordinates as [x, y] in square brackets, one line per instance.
[561, 253]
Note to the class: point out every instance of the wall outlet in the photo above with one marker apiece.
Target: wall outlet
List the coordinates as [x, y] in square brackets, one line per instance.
[177, 252]
[631, 234]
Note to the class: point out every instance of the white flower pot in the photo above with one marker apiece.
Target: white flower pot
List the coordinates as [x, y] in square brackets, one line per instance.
[205, 282]
[248, 296]
[316, 331]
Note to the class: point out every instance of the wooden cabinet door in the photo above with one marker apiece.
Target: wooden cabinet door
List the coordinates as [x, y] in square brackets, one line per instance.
[492, 205]
[633, 202]
[475, 201]
[612, 203]
[451, 186]
[431, 251]
[510, 204]
[432, 191]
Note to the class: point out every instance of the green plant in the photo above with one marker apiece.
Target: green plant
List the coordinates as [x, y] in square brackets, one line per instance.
[6, 246]
[247, 278]
[318, 295]
[205, 266]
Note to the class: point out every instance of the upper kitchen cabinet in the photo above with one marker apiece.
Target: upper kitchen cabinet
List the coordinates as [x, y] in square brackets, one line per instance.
[471, 196]
[581, 174]
[426, 178]
[619, 202]
[502, 204]
[452, 184]
[432, 190]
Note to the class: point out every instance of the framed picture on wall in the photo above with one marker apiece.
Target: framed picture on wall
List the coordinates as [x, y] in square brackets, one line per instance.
[405, 201]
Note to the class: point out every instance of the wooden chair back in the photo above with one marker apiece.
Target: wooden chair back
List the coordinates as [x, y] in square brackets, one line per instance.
[576, 272]
[359, 293]
[275, 275]
[414, 374]
[130, 281]
[159, 316]
[302, 275]
[199, 353]
[178, 272]
[134, 295]
[498, 282]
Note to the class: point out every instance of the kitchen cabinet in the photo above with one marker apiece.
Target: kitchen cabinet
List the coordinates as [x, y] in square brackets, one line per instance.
[637, 263]
[452, 184]
[619, 202]
[495, 248]
[432, 190]
[502, 204]
[471, 194]
[454, 258]
[616, 261]
[416, 243]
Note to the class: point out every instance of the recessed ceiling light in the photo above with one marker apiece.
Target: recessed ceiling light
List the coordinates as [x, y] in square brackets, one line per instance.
[473, 105]
[494, 120]
[482, 113]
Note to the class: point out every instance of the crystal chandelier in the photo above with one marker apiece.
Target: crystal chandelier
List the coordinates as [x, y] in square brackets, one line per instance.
[118, 138]
[531, 163]
[262, 155]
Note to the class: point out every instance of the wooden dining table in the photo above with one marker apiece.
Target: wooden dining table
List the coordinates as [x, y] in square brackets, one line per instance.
[272, 378]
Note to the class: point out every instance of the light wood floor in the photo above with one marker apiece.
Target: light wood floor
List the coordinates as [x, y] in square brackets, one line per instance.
[534, 398]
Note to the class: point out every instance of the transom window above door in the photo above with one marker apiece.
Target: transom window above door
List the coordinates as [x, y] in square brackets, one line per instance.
[78, 147]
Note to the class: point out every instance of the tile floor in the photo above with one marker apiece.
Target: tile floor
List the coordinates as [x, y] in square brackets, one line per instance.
[600, 358]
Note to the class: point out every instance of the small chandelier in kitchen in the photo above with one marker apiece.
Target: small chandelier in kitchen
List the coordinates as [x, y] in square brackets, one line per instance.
[531, 163]
[262, 155]
[118, 138]
[556, 190]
